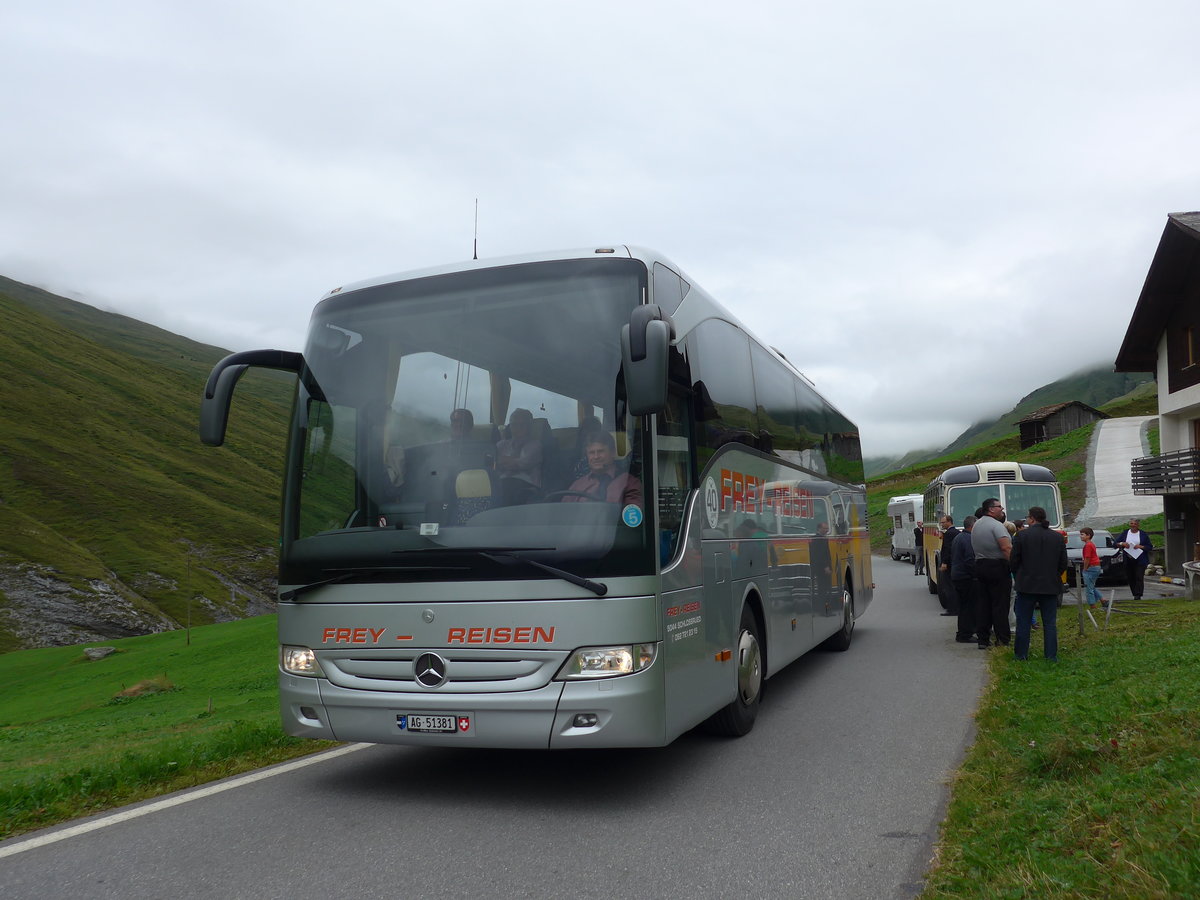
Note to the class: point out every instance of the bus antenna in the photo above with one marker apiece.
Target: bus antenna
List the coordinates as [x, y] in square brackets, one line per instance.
[475, 246]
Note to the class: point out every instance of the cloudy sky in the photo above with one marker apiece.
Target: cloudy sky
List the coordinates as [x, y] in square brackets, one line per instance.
[931, 207]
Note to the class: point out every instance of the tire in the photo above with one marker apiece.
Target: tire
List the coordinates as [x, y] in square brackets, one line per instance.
[841, 640]
[738, 717]
[896, 557]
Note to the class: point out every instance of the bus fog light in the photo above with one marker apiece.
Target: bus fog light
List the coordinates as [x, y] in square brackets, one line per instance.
[299, 661]
[608, 662]
[585, 720]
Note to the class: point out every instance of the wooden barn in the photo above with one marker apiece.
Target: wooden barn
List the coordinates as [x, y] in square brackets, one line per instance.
[1054, 421]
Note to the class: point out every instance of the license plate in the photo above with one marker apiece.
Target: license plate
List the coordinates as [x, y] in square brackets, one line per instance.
[426, 723]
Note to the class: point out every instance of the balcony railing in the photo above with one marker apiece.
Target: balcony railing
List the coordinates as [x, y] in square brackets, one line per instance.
[1170, 473]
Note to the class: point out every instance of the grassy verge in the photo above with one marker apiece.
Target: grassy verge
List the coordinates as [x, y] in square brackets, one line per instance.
[1084, 779]
[80, 735]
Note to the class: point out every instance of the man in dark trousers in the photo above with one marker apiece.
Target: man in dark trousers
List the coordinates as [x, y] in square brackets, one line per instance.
[1039, 558]
[962, 575]
[919, 549]
[945, 585]
[993, 581]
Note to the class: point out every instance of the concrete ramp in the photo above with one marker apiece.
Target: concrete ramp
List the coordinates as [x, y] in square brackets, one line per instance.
[1111, 500]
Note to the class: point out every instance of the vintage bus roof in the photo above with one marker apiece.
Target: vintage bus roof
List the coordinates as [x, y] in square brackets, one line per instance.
[996, 472]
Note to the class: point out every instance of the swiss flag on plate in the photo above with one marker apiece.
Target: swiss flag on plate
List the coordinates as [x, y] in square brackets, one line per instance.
[464, 723]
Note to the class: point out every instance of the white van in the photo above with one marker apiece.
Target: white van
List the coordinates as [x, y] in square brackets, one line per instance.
[904, 513]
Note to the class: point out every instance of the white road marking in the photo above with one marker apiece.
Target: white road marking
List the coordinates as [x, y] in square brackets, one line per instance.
[20, 846]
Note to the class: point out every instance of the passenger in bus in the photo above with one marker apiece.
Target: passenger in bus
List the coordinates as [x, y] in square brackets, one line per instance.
[519, 460]
[464, 451]
[587, 427]
[603, 480]
[462, 424]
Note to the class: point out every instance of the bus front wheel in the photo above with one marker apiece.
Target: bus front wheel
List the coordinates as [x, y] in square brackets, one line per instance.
[738, 717]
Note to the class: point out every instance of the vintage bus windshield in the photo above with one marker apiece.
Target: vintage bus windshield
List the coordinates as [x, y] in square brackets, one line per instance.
[1016, 499]
[442, 429]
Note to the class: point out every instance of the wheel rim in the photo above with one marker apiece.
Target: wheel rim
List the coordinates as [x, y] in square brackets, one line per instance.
[749, 668]
[847, 611]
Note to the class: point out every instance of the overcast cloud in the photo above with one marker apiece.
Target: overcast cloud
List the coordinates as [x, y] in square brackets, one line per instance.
[930, 207]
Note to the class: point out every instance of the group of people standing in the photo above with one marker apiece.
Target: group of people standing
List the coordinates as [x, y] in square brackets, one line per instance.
[982, 562]
[985, 560]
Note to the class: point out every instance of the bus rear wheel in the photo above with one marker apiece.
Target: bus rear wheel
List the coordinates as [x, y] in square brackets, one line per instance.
[840, 640]
[738, 717]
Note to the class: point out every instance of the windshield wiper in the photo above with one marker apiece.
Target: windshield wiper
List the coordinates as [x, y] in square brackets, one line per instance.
[365, 573]
[503, 557]
[509, 555]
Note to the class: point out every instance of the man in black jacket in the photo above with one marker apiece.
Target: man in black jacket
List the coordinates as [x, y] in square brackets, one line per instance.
[962, 574]
[945, 586]
[919, 549]
[1039, 558]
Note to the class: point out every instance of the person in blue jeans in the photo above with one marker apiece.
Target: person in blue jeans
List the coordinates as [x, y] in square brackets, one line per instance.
[1038, 561]
[1091, 568]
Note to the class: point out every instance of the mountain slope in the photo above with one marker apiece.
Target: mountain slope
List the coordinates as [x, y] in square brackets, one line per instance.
[1095, 387]
[114, 519]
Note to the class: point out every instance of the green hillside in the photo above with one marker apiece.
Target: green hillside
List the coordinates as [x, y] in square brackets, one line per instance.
[112, 514]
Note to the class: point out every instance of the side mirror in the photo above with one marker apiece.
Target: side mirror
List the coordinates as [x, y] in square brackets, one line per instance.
[218, 391]
[645, 345]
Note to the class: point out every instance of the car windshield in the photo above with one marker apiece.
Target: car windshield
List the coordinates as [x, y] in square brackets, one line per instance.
[477, 411]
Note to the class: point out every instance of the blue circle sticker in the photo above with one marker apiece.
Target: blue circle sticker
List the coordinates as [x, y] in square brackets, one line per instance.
[632, 515]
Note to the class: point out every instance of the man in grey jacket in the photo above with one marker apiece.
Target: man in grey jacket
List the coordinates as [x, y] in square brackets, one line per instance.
[993, 577]
[1038, 559]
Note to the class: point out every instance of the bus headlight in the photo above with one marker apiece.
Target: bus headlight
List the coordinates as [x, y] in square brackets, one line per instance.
[299, 661]
[608, 662]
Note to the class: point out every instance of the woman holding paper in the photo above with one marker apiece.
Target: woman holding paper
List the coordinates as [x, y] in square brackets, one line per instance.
[1137, 547]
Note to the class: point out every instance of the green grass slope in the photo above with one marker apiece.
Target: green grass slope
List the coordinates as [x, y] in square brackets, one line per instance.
[162, 713]
[110, 507]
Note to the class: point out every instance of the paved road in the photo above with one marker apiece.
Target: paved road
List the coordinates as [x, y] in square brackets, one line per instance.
[836, 793]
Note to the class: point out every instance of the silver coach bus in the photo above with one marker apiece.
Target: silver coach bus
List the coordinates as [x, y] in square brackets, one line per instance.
[691, 521]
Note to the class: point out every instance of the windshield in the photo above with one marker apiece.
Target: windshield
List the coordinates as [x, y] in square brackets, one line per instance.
[477, 411]
[1016, 499]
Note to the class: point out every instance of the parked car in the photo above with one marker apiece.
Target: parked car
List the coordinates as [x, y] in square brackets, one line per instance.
[1112, 568]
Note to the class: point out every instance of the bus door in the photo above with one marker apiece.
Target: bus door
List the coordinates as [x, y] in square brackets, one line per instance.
[696, 581]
